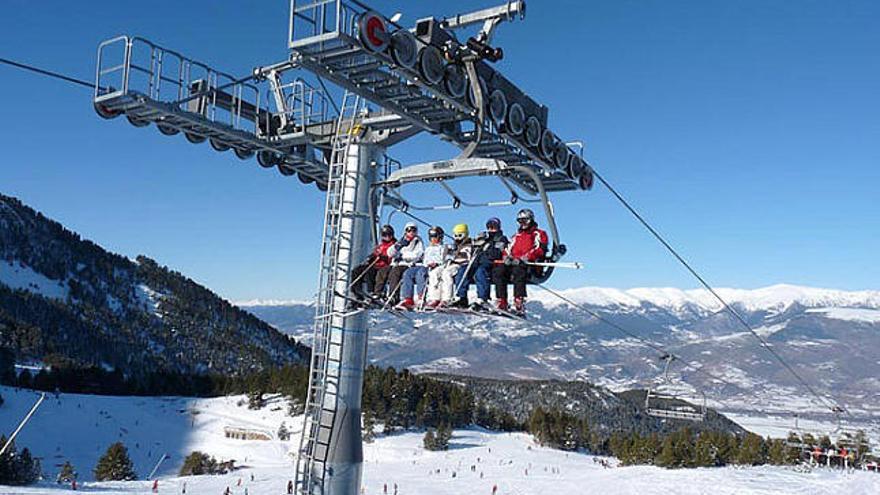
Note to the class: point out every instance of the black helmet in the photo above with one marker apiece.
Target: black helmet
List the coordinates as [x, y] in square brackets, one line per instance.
[493, 222]
[435, 232]
[525, 215]
[387, 231]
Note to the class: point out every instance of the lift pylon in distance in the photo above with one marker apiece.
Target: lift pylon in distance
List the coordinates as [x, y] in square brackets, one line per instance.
[388, 83]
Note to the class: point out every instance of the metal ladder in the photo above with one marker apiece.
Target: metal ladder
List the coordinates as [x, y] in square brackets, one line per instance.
[322, 398]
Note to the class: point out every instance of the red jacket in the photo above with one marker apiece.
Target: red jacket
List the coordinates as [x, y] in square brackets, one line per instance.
[529, 244]
[380, 253]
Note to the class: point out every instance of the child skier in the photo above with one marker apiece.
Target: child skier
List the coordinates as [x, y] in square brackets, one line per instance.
[455, 274]
[435, 260]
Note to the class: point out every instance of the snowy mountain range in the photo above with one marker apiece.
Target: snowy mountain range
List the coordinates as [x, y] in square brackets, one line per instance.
[830, 337]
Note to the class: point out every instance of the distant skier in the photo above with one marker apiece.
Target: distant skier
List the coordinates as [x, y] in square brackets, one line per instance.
[155, 486]
[290, 487]
[494, 489]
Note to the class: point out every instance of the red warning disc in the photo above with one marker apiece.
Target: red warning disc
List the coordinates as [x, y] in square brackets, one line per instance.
[373, 32]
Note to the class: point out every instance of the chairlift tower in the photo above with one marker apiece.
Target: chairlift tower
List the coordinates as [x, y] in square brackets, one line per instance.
[395, 82]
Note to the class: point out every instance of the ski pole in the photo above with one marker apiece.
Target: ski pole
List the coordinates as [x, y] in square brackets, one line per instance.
[391, 294]
[574, 265]
[474, 256]
[358, 278]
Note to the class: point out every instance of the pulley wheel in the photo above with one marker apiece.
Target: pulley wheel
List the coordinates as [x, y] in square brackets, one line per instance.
[166, 129]
[268, 159]
[575, 167]
[106, 113]
[548, 144]
[533, 131]
[516, 119]
[244, 154]
[431, 65]
[305, 179]
[137, 122]
[404, 49]
[218, 146]
[497, 106]
[194, 138]
[560, 157]
[472, 99]
[456, 81]
[286, 170]
[372, 32]
[586, 178]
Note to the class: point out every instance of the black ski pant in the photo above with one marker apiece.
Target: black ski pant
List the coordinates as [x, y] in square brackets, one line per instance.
[395, 275]
[364, 276]
[370, 278]
[518, 275]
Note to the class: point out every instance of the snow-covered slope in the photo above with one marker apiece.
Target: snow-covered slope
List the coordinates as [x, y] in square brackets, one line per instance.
[79, 427]
[64, 295]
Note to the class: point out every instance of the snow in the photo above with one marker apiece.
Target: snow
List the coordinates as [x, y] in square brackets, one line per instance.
[849, 314]
[79, 428]
[775, 298]
[441, 365]
[150, 299]
[18, 276]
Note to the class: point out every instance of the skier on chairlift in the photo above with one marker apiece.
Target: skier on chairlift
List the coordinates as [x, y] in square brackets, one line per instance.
[435, 260]
[455, 276]
[412, 288]
[490, 246]
[405, 253]
[372, 274]
[528, 245]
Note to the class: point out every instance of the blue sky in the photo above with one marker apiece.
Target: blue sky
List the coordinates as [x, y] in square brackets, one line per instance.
[748, 132]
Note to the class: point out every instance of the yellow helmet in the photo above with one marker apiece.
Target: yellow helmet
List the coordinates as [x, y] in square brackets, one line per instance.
[460, 231]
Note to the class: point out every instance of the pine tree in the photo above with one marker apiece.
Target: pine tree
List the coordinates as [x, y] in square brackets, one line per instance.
[752, 451]
[444, 434]
[704, 451]
[666, 458]
[67, 473]
[198, 463]
[283, 432]
[115, 465]
[777, 452]
[255, 399]
[430, 440]
[369, 429]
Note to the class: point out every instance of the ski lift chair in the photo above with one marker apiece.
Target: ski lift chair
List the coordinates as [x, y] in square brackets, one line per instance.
[442, 172]
[663, 401]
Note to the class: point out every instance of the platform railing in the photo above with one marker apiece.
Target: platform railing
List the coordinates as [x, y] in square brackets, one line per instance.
[320, 21]
[135, 67]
